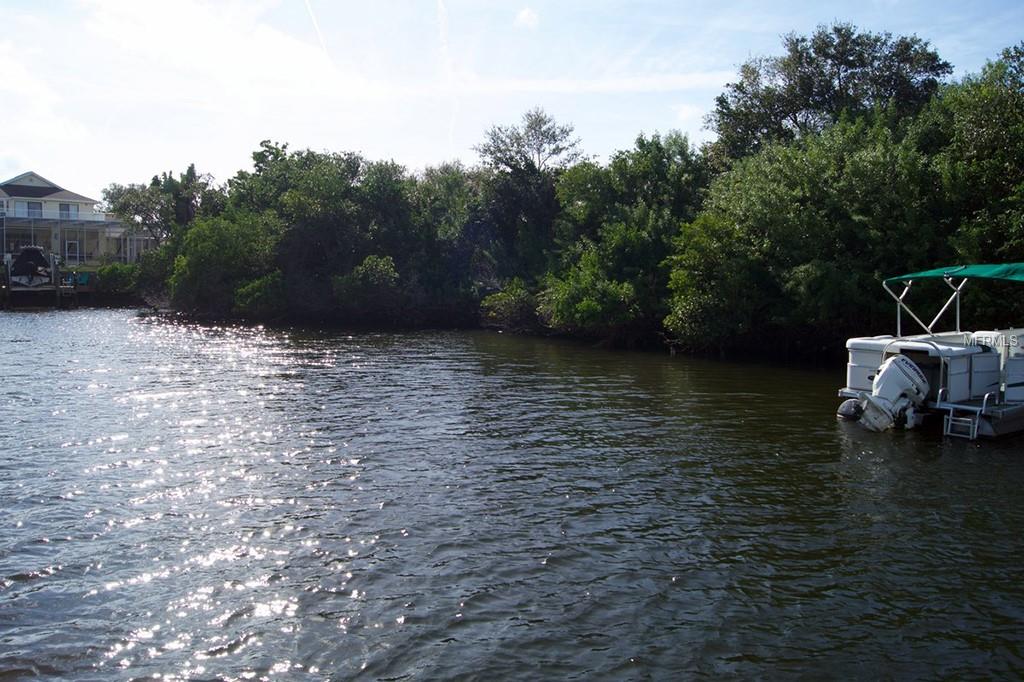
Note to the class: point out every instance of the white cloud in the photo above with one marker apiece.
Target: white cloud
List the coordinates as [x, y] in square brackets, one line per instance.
[126, 89]
[527, 19]
[34, 113]
[689, 114]
[122, 89]
[218, 49]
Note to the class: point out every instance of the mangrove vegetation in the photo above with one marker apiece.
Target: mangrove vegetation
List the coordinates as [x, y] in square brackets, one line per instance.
[848, 157]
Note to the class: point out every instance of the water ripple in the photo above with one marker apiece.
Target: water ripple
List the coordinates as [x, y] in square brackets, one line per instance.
[217, 502]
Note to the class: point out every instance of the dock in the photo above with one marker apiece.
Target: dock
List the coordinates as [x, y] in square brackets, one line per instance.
[61, 293]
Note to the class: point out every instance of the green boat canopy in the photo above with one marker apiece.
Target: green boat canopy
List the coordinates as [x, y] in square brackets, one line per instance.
[1013, 272]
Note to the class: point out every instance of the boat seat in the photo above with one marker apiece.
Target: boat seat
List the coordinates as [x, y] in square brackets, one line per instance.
[994, 339]
[936, 348]
[1015, 378]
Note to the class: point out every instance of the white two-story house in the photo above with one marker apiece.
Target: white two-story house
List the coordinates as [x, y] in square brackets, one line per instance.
[37, 212]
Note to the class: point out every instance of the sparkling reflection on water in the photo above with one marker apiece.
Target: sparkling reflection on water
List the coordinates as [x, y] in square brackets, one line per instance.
[219, 502]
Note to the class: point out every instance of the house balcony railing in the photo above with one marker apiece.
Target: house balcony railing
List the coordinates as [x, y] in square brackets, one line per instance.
[55, 215]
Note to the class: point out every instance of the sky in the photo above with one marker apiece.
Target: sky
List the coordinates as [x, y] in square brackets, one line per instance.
[95, 92]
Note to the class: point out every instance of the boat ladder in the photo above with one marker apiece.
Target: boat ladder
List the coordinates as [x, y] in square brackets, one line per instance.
[962, 426]
[962, 420]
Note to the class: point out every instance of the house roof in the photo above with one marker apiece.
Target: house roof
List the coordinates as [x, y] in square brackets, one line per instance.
[29, 191]
[16, 188]
[26, 175]
[71, 196]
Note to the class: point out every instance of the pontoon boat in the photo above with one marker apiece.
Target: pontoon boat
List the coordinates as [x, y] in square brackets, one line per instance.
[974, 380]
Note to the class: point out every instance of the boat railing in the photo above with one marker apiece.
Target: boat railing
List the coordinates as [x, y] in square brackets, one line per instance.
[928, 342]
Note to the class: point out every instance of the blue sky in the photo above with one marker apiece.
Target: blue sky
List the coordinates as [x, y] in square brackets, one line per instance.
[106, 91]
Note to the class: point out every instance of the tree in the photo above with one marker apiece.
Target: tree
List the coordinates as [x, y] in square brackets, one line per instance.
[447, 214]
[386, 209]
[166, 204]
[612, 288]
[145, 208]
[835, 71]
[191, 193]
[585, 196]
[983, 164]
[614, 282]
[370, 293]
[316, 196]
[219, 257]
[540, 145]
[665, 172]
[263, 187]
[443, 197]
[792, 241]
[519, 191]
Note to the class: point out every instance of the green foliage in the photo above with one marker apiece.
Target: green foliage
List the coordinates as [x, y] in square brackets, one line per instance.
[660, 172]
[518, 200]
[370, 292]
[145, 209]
[585, 301]
[837, 163]
[983, 164]
[538, 145]
[218, 255]
[585, 196]
[163, 211]
[614, 281]
[833, 72]
[154, 270]
[166, 205]
[386, 209]
[263, 298]
[795, 239]
[189, 195]
[720, 286]
[981, 119]
[513, 308]
[443, 199]
[375, 273]
[520, 213]
[117, 278]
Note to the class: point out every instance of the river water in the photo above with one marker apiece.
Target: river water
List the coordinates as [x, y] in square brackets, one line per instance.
[202, 502]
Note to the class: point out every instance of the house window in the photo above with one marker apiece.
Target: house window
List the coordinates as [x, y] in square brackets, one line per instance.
[35, 209]
[71, 251]
[69, 211]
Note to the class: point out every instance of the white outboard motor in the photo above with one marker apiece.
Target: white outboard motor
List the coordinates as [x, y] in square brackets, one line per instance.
[897, 392]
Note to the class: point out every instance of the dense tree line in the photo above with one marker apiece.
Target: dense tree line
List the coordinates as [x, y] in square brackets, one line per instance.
[848, 158]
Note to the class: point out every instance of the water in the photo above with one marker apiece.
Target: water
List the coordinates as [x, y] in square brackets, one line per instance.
[207, 502]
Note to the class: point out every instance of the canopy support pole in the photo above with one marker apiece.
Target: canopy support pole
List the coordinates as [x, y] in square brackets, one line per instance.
[901, 305]
[955, 297]
[949, 281]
